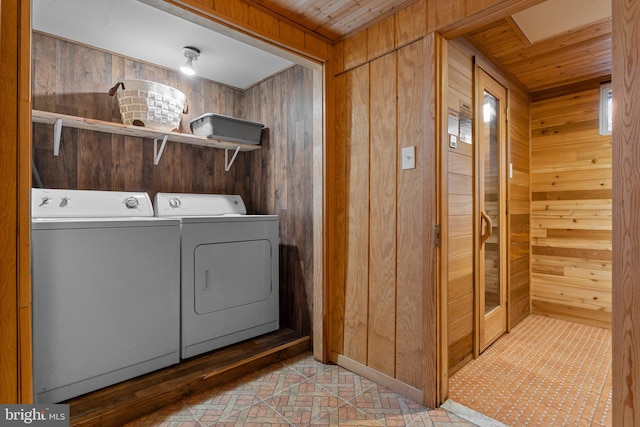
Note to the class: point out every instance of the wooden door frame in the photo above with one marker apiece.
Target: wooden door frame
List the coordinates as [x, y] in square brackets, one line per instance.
[503, 215]
[15, 226]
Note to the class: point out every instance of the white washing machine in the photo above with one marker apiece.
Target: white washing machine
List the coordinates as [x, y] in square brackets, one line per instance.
[229, 270]
[106, 290]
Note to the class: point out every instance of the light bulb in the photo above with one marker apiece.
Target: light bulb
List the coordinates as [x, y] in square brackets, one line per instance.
[187, 68]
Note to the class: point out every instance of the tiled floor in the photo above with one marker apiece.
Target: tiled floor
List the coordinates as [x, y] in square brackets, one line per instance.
[300, 392]
[546, 372]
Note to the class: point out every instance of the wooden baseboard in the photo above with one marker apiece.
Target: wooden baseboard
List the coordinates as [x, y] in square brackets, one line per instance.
[126, 401]
[380, 378]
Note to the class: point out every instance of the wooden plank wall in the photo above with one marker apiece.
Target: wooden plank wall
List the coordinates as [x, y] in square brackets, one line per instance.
[519, 196]
[571, 209]
[382, 227]
[74, 79]
[459, 207]
[626, 221]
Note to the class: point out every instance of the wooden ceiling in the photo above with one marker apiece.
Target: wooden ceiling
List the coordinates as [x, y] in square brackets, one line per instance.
[580, 55]
[334, 19]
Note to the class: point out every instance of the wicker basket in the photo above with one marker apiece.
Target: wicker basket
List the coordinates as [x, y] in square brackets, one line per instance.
[150, 104]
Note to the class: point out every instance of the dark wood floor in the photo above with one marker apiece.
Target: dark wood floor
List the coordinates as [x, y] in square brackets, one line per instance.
[126, 401]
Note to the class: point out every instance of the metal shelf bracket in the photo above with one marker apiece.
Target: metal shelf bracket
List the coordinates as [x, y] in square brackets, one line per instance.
[227, 163]
[57, 134]
[157, 154]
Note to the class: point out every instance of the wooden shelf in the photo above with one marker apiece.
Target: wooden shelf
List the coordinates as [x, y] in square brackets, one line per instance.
[60, 120]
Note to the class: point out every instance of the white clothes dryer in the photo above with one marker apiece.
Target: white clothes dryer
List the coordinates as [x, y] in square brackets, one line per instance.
[230, 272]
[106, 290]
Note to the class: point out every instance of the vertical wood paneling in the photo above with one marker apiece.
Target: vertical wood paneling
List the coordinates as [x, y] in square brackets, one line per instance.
[274, 180]
[626, 221]
[337, 227]
[571, 210]
[411, 210]
[290, 185]
[381, 38]
[9, 279]
[388, 230]
[23, 229]
[355, 50]
[382, 214]
[357, 206]
[411, 23]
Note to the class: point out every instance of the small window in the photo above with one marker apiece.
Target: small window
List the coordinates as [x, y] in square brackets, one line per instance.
[606, 108]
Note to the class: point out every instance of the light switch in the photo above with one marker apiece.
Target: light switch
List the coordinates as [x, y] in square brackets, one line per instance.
[409, 157]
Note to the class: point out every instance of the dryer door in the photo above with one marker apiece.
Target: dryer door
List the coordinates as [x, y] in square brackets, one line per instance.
[231, 274]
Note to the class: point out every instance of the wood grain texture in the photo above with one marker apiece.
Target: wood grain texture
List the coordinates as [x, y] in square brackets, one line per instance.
[278, 179]
[357, 158]
[381, 38]
[335, 19]
[380, 108]
[458, 17]
[460, 190]
[459, 197]
[572, 57]
[382, 213]
[9, 219]
[626, 221]
[412, 248]
[571, 235]
[336, 206]
[24, 176]
[15, 220]
[519, 196]
[411, 23]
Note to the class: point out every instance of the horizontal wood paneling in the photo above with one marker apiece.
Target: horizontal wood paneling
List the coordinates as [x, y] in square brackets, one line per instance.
[460, 192]
[460, 183]
[72, 79]
[571, 211]
[519, 195]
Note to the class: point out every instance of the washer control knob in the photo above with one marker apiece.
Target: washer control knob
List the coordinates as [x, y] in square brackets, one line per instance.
[174, 202]
[64, 202]
[45, 200]
[131, 202]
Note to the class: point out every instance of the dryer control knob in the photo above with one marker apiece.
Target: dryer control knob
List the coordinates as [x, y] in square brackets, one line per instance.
[131, 202]
[174, 202]
[45, 200]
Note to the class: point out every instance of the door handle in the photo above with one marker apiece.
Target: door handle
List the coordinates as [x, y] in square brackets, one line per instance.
[487, 234]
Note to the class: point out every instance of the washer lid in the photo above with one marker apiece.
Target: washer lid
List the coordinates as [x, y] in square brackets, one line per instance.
[55, 203]
[185, 204]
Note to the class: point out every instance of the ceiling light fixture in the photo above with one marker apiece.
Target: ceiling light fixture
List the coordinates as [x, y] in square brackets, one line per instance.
[192, 54]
